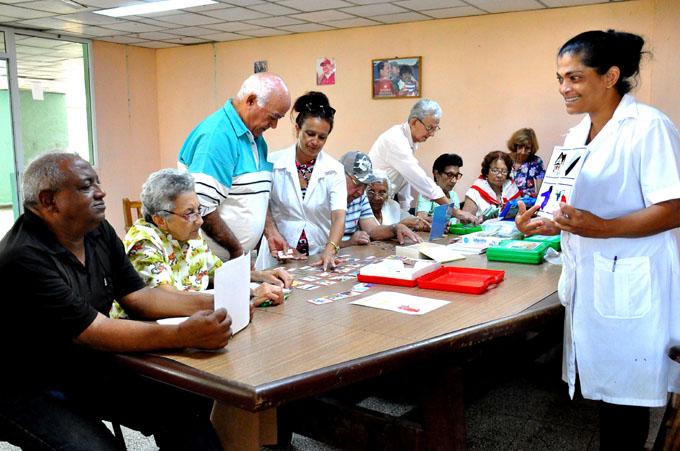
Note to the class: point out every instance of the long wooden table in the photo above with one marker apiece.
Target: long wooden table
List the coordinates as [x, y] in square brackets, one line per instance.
[299, 350]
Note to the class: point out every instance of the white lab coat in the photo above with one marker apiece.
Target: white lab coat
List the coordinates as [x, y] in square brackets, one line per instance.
[326, 192]
[622, 295]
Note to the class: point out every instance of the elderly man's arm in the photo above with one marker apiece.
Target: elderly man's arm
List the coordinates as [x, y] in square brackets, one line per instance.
[218, 230]
[204, 330]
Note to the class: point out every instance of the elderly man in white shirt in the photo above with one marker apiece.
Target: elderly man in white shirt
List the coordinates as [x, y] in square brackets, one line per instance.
[393, 152]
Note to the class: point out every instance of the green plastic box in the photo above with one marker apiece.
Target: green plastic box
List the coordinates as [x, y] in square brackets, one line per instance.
[518, 251]
[553, 241]
[464, 229]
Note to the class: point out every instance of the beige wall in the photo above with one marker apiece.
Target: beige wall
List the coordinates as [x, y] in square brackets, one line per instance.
[491, 74]
[127, 131]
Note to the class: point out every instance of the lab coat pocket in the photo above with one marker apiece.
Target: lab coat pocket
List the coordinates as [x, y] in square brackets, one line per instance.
[622, 286]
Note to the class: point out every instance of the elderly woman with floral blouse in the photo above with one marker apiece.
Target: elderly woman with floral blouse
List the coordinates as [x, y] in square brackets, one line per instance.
[167, 249]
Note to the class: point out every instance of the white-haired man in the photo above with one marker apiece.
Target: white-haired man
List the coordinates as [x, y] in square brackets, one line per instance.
[227, 156]
[393, 152]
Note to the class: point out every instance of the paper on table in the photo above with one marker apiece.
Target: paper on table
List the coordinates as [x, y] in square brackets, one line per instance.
[401, 303]
[172, 321]
[232, 290]
[442, 254]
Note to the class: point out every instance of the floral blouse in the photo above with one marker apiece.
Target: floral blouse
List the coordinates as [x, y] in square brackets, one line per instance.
[161, 260]
[525, 175]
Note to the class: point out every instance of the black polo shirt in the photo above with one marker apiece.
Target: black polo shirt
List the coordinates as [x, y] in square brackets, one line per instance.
[50, 297]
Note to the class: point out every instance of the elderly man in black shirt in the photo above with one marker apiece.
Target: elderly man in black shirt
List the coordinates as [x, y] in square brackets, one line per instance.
[61, 267]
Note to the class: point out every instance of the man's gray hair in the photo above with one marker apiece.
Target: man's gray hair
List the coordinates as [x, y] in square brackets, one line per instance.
[382, 175]
[160, 191]
[424, 108]
[262, 85]
[43, 173]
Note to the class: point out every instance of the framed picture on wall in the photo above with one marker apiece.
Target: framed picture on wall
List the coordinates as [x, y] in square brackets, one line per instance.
[325, 71]
[396, 77]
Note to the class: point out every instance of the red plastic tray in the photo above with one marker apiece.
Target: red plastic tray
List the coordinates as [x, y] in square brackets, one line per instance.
[462, 280]
[387, 280]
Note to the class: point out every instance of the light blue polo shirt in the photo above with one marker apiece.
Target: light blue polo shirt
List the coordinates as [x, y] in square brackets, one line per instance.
[220, 154]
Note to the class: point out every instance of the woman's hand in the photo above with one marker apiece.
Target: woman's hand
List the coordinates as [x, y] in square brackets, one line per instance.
[278, 276]
[328, 259]
[581, 222]
[466, 217]
[358, 238]
[267, 292]
[417, 224]
[533, 226]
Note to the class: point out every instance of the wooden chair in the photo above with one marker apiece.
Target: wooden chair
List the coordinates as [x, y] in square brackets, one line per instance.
[668, 437]
[128, 206]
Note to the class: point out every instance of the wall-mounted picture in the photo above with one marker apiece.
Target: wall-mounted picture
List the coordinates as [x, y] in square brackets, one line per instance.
[396, 77]
[325, 71]
[260, 66]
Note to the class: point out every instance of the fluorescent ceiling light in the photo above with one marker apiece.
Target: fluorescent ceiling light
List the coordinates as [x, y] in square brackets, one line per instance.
[153, 7]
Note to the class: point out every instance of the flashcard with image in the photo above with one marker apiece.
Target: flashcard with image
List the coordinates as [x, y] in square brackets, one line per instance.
[560, 175]
[319, 301]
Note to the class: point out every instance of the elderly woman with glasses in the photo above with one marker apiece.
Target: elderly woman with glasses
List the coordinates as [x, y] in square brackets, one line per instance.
[446, 172]
[527, 168]
[167, 249]
[308, 200]
[493, 189]
[386, 210]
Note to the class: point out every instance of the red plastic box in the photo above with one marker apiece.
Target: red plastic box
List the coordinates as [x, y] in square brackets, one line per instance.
[461, 280]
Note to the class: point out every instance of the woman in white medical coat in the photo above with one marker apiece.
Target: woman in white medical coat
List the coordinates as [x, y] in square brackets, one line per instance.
[308, 199]
[620, 280]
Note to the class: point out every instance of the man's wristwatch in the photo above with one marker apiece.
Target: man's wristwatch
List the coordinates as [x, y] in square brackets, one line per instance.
[335, 246]
[394, 229]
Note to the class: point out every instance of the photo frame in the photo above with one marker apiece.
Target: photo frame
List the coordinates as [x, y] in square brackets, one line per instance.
[325, 71]
[393, 78]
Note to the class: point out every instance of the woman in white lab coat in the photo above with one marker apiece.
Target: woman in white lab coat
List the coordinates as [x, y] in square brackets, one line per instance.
[309, 193]
[620, 280]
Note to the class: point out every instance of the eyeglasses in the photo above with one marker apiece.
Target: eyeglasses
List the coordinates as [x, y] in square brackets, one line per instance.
[326, 111]
[371, 193]
[430, 129]
[453, 175]
[355, 181]
[191, 217]
[499, 171]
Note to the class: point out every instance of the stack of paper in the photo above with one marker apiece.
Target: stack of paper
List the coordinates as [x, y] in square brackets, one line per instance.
[436, 252]
[468, 248]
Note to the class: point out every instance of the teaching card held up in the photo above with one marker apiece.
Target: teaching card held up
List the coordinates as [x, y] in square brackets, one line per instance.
[563, 168]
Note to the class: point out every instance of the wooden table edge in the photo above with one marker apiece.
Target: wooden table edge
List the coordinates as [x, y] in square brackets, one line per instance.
[276, 393]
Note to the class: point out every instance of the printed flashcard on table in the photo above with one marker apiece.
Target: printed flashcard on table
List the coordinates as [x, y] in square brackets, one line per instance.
[320, 301]
[564, 166]
[308, 287]
[401, 303]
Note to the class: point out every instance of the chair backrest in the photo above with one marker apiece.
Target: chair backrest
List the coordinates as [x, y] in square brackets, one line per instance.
[128, 206]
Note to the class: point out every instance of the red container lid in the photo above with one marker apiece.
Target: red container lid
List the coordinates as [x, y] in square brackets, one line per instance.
[387, 280]
[461, 280]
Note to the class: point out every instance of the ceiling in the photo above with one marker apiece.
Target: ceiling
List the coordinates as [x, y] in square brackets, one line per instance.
[49, 64]
[231, 20]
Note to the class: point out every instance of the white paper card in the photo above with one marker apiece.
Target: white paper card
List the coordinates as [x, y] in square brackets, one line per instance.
[232, 290]
[564, 166]
[401, 303]
[172, 321]
[37, 90]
